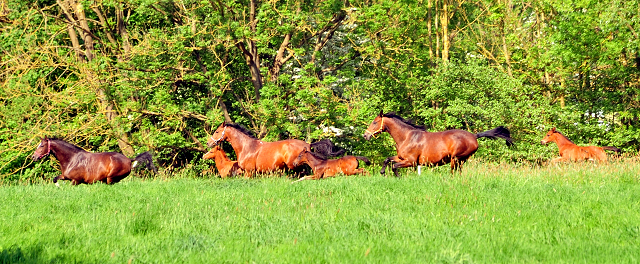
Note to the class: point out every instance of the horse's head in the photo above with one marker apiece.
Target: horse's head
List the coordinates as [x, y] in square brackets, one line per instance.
[212, 153]
[375, 127]
[43, 149]
[218, 135]
[302, 158]
[550, 136]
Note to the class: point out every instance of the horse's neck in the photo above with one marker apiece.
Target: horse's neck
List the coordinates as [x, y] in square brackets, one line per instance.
[63, 153]
[313, 161]
[397, 129]
[562, 141]
[220, 156]
[242, 142]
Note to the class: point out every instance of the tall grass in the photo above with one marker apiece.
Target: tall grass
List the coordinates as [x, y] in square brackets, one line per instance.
[489, 213]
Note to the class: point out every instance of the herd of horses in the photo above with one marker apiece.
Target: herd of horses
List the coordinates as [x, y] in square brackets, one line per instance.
[415, 146]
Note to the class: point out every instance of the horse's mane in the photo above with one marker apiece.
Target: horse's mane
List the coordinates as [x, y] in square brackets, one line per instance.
[317, 155]
[66, 144]
[408, 122]
[242, 129]
[564, 136]
[326, 148]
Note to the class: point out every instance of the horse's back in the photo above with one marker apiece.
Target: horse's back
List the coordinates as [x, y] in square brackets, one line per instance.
[596, 153]
[113, 165]
[279, 154]
[348, 163]
[436, 146]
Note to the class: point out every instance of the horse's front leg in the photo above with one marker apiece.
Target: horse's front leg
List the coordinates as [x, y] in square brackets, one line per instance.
[309, 177]
[401, 164]
[558, 160]
[386, 162]
[55, 180]
[61, 177]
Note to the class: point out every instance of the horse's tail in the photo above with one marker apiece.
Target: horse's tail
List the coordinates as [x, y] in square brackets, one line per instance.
[614, 149]
[498, 132]
[365, 159]
[326, 148]
[144, 159]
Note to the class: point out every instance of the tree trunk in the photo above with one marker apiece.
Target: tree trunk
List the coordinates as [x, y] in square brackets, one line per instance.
[444, 19]
[429, 30]
[505, 49]
[74, 11]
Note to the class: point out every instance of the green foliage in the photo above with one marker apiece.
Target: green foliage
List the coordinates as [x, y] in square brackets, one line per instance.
[323, 70]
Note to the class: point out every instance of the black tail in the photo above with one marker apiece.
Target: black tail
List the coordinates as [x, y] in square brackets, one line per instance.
[614, 149]
[498, 132]
[366, 161]
[144, 159]
[326, 148]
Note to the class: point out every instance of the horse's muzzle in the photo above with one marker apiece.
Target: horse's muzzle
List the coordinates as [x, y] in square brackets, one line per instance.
[36, 157]
[367, 136]
[543, 142]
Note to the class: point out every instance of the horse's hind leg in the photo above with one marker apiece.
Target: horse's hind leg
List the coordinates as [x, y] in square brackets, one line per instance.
[456, 165]
[360, 171]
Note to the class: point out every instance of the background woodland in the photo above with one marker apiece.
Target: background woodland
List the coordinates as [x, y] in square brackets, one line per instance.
[138, 75]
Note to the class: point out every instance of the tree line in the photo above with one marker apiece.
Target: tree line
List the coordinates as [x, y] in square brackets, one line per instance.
[138, 75]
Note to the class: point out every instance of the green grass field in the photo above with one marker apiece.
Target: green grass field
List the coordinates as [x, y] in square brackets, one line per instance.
[571, 213]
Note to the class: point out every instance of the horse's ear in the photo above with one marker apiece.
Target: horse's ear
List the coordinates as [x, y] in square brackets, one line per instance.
[380, 114]
[553, 129]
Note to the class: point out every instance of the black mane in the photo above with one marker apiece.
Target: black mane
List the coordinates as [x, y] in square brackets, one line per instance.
[242, 129]
[326, 148]
[317, 155]
[564, 136]
[67, 144]
[408, 122]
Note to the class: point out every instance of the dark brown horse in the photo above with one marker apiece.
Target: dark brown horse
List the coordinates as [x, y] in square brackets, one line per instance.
[80, 166]
[322, 168]
[569, 151]
[225, 165]
[256, 156]
[415, 146]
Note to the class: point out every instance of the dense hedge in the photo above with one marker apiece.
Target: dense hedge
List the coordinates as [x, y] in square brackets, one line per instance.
[145, 76]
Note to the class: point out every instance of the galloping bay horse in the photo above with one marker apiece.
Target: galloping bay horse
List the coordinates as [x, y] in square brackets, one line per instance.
[80, 166]
[415, 146]
[569, 151]
[322, 168]
[256, 156]
[225, 165]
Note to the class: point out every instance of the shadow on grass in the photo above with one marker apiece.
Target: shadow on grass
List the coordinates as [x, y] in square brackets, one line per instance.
[31, 254]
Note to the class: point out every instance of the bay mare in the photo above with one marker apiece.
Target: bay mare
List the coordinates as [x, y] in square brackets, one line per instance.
[569, 151]
[257, 156]
[80, 166]
[415, 146]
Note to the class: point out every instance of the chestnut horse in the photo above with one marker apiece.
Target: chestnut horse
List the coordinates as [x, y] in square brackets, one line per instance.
[225, 165]
[415, 146]
[256, 156]
[80, 166]
[569, 151]
[322, 168]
